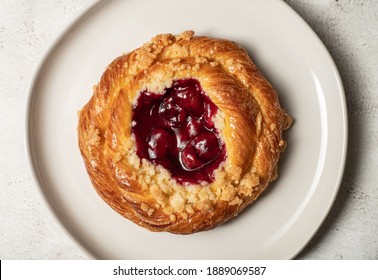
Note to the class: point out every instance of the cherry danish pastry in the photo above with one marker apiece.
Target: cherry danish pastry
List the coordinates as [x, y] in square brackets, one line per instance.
[182, 133]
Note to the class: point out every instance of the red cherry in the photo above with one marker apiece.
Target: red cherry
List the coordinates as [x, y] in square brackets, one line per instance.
[190, 97]
[193, 127]
[172, 112]
[189, 159]
[159, 142]
[206, 146]
[208, 115]
[182, 138]
[194, 104]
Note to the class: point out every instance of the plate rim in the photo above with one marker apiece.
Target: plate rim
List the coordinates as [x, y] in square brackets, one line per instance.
[87, 11]
[344, 110]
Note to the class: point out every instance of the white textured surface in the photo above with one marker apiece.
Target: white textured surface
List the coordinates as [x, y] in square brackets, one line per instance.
[348, 28]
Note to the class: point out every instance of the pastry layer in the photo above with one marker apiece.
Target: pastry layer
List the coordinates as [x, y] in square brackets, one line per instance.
[249, 120]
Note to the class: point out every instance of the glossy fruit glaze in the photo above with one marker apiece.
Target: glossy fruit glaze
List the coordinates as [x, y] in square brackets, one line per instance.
[176, 130]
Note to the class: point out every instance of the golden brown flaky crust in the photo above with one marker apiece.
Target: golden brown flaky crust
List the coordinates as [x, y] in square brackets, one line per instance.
[250, 121]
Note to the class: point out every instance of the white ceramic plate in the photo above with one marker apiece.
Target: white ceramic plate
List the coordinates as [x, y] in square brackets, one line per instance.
[292, 57]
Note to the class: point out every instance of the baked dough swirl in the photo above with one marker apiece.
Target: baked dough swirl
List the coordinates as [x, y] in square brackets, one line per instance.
[249, 120]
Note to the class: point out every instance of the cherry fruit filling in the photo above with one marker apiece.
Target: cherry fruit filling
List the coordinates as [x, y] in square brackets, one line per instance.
[176, 130]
